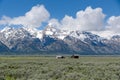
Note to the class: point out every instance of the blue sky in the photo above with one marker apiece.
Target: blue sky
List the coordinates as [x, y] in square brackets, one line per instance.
[84, 15]
[58, 8]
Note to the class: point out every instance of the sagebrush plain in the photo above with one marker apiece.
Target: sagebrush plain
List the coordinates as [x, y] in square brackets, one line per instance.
[50, 68]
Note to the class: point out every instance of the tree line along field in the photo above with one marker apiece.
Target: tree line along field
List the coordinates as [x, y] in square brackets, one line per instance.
[49, 68]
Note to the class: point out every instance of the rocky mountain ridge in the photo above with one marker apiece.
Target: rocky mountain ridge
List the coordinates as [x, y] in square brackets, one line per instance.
[53, 40]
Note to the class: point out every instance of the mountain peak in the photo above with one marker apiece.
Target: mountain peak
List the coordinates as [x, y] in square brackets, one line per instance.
[31, 39]
[7, 29]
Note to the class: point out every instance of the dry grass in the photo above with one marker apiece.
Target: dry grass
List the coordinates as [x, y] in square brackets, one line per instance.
[49, 68]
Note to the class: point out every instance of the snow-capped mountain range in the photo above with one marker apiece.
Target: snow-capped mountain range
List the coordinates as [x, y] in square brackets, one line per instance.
[52, 41]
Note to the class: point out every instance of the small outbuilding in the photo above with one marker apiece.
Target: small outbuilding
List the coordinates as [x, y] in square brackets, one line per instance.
[60, 57]
[75, 56]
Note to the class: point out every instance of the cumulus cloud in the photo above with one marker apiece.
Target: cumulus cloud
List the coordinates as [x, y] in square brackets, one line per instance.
[106, 33]
[68, 23]
[5, 20]
[114, 23]
[54, 23]
[90, 20]
[32, 18]
[87, 20]
[112, 28]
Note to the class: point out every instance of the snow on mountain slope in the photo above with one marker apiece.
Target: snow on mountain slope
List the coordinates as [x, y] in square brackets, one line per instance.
[36, 33]
[48, 31]
[51, 38]
[85, 35]
[9, 32]
[9, 36]
[55, 33]
[116, 38]
[52, 32]
[105, 34]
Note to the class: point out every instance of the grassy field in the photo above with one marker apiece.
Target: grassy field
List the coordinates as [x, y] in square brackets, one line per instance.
[49, 68]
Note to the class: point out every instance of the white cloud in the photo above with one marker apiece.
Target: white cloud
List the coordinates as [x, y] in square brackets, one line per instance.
[33, 18]
[114, 24]
[112, 28]
[54, 23]
[68, 23]
[105, 33]
[88, 20]
[5, 20]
